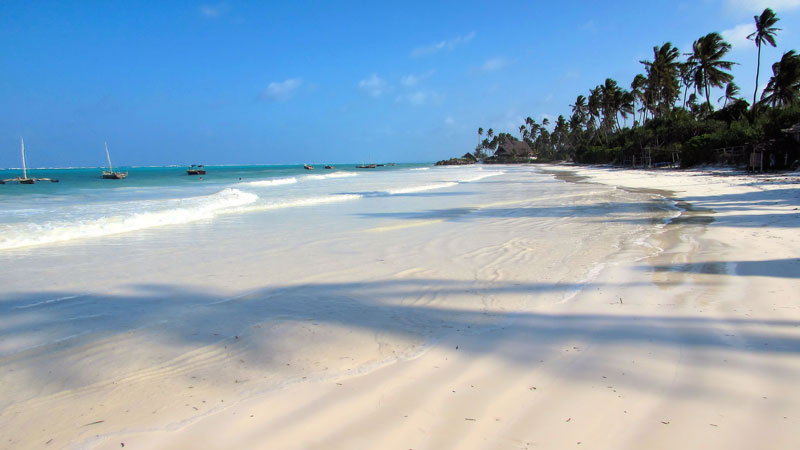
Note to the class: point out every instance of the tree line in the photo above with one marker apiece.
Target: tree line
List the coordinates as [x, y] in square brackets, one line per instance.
[668, 108]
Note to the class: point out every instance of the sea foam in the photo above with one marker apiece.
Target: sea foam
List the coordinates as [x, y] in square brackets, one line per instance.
[270, 182]
[332, 175]
[173, 212]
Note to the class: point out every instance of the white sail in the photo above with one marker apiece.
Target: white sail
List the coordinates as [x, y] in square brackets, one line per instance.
[24, 169]
[110, 169]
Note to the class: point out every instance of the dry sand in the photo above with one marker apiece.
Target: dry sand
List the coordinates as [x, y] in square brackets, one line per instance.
[475, 334]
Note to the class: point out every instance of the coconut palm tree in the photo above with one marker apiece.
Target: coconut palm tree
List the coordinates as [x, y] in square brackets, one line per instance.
[662, 78]
[480, 135]
[731, 91]
[593, 106]
[686, 74]
[765, 32]
[710, 70]
[637, 90]
[579, 111]
[784, 87]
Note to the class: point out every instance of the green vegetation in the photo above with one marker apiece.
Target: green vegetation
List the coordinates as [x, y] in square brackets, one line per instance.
[670, 112]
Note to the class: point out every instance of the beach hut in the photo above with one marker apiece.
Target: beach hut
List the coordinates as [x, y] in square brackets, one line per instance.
[510, 149]
[793, 132]
[469, 157]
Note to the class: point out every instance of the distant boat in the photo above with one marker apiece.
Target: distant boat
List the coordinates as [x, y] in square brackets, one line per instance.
[328, 166]
[308, 167]
[110, 174]
[196, 169]
[366, 166]
[24, 179]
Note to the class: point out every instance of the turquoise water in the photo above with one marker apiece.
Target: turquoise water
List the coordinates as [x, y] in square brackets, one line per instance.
[173, 176]
[82, 205]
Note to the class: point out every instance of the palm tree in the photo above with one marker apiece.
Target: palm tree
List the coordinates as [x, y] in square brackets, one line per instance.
[710, 70]
[522, 132]
[480, 135]
[580, 110]
[784, 87]
[731, 91]
[637, 90]
[765, 32]
[687, 76]
[593, 106]
[662, 78]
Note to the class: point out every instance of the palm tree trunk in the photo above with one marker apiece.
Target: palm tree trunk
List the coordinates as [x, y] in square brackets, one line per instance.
[758, 69]
[685, 91]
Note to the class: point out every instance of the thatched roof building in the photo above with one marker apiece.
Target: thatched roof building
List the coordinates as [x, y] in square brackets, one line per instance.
[793, 132]
[511, 148]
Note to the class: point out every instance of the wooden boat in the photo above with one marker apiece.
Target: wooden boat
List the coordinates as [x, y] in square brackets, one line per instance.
[366, 166]
[308, 167]
[196, 169]
[24, 178]
[110, 174]
[328, 166]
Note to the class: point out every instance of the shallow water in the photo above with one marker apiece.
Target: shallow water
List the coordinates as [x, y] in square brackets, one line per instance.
[287, 277]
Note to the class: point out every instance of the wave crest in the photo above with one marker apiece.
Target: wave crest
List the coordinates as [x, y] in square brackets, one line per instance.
[171, 212]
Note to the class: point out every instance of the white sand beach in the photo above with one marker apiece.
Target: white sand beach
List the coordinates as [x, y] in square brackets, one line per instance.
[544, 307]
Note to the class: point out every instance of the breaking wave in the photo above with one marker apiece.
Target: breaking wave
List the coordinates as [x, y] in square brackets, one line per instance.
[152, 214]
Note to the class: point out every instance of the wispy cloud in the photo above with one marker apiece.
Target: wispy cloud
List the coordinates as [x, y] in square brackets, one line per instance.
[281, 91]
[412, 80]
[737, 36]
[421, 98]
[213, 11]
[494, 64]
[448, 44]
[759, 5]
[374, 85]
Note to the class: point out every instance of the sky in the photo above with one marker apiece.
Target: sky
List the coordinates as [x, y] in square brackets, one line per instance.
[266, 82]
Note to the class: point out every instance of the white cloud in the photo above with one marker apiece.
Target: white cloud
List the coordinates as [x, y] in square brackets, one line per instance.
[412, 80]
[374, 85]
[212, 11]
[737, 36]
[421, 98]
[494, 64]
[448, 44]
[757, 6]
[281, 91]
[449, 121]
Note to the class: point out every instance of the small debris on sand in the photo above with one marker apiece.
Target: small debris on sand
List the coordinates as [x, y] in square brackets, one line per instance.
[94, 423]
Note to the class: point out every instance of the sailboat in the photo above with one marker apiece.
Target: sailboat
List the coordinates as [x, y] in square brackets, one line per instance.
[24, 179]
[110, 174]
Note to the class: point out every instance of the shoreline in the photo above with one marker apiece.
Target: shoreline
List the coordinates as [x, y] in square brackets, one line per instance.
[460, 328]
[681, 245]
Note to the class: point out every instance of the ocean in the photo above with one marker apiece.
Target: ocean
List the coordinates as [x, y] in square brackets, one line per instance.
[82, 206]
[163, 297]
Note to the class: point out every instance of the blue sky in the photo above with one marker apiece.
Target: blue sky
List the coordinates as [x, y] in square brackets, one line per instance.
[239, 82]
